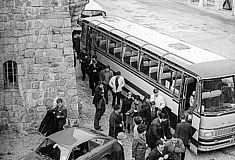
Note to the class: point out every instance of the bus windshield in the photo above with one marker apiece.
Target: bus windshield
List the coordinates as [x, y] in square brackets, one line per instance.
[218, 95]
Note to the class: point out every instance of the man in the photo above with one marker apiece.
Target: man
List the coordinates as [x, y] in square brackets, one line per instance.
[126, 106]
[115, 121]
[175, 147]
[116, 83]
[99, 103]
[156, 131]
[145, 111]
[105, 76]
[94, 70]
[117, 151]
[84, 60]
[158, 99]
[159, 152]
[184, 132]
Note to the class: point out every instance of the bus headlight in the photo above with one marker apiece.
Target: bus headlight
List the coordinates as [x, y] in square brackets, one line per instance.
[206, 133]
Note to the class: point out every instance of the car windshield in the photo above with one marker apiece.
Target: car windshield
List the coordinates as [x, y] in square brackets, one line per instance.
[218, 95]
[52, 150]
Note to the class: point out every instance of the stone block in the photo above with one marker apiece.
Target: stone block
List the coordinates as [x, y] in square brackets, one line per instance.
[61, 82]
[37, 24]
[10, 3]
[66, 30]
[57, 38]
[69, 58]
[57, 23]
[35, 85]
[36, 3]
[49, 102]
[4, 18]
[67, 37]
[29, 53]
[20, 40]
[54, 15]
[36, 95]
[18, 33]
[20, 25]
[50, 45]
[41, 108]
[32, 39]
[68, 50]
[39, 52]
[26, 118]
[72, 92]
[19, 17]
[43, 31]
[8, 48]
[67, 22]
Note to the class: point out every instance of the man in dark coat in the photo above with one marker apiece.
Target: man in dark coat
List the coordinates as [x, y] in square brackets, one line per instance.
[126, 106]
[159, 152]
[145, 111]
[99, 103]
[184, 132]
[48, 124]
[117, 151]
[155, 131]
[84, 60]
[115, 121]
[61, 114]
[94, 71]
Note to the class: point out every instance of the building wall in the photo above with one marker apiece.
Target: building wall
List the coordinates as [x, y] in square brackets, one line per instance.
[37, 35]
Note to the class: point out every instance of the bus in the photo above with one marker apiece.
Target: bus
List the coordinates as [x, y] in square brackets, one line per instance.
[148, 59]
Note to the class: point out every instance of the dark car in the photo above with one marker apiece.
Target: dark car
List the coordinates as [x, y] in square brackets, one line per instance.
[74, 144]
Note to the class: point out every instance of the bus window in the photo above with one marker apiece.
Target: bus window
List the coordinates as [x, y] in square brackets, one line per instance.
[115, 48]
[149, 66]
[101, 41]
[218, 95]
[171, 79]
[84, 33]
[131, 56]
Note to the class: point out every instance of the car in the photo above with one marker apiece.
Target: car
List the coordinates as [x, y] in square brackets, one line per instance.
[74, 143]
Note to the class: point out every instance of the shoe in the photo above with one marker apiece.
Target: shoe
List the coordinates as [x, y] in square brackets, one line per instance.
[99, 129]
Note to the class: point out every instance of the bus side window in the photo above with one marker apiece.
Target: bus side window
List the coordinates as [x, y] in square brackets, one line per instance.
[176, 83]
[101, 41]
[149, 66]
[166, 76]
[115, 48]
[131, 56]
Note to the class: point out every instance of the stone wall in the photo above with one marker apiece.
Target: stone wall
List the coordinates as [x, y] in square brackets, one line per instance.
[37, 35]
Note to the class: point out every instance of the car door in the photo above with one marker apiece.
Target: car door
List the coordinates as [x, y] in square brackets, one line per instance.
[99, 147]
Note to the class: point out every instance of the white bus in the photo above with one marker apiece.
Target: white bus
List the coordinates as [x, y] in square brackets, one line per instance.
[148, 60]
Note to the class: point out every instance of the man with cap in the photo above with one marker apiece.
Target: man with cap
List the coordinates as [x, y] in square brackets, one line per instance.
[117, 151]
[115, 121]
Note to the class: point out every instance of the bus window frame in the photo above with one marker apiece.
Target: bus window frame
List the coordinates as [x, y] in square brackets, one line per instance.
[95, 39]
[112, 38]
[125, 44]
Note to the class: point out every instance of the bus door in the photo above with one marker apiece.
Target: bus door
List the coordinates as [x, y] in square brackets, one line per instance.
[190, 103]
[196, 119]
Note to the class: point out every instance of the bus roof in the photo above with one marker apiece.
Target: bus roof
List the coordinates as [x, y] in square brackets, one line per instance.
[200, 61]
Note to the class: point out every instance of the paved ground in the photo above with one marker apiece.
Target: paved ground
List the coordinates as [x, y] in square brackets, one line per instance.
[203, 27]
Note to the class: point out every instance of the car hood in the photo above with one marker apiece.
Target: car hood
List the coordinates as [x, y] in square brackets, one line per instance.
[31, 156]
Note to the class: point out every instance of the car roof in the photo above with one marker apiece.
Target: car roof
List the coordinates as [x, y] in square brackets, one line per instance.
[72, 137]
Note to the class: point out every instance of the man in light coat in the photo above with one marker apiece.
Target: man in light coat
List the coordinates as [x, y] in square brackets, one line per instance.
[116, 83]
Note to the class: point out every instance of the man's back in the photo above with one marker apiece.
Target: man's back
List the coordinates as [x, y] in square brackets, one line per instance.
[117, 152]
[184, 131]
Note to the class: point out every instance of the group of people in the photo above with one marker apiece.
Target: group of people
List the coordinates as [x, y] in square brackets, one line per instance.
[148, 122]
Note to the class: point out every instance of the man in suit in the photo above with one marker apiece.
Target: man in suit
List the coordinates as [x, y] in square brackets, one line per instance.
[117, 152]
[116, 83]
[184, 132]
[115, 122]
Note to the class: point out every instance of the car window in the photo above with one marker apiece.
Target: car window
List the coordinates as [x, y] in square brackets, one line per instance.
[94, 143]
[79, 151]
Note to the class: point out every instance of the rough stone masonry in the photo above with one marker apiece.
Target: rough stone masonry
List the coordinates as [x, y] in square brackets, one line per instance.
[36, 35]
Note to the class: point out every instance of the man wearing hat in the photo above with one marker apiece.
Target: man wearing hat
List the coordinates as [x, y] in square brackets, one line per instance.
[115, 121]
[117, 152]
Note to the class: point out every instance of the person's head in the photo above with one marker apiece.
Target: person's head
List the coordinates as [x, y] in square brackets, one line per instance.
[117, 108]
[107, 68]
[59, 102]
[100, 84]
[141, 129]
[94, 59]
[193, 94]
[138, 120]
[137, 99]
[162, 116]
[160, 145]
[152, 103]
[129, 95]
[182, 117]
[174, 138]
[147, 98]
[118, 74]
[155, 91]
[121, 136]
